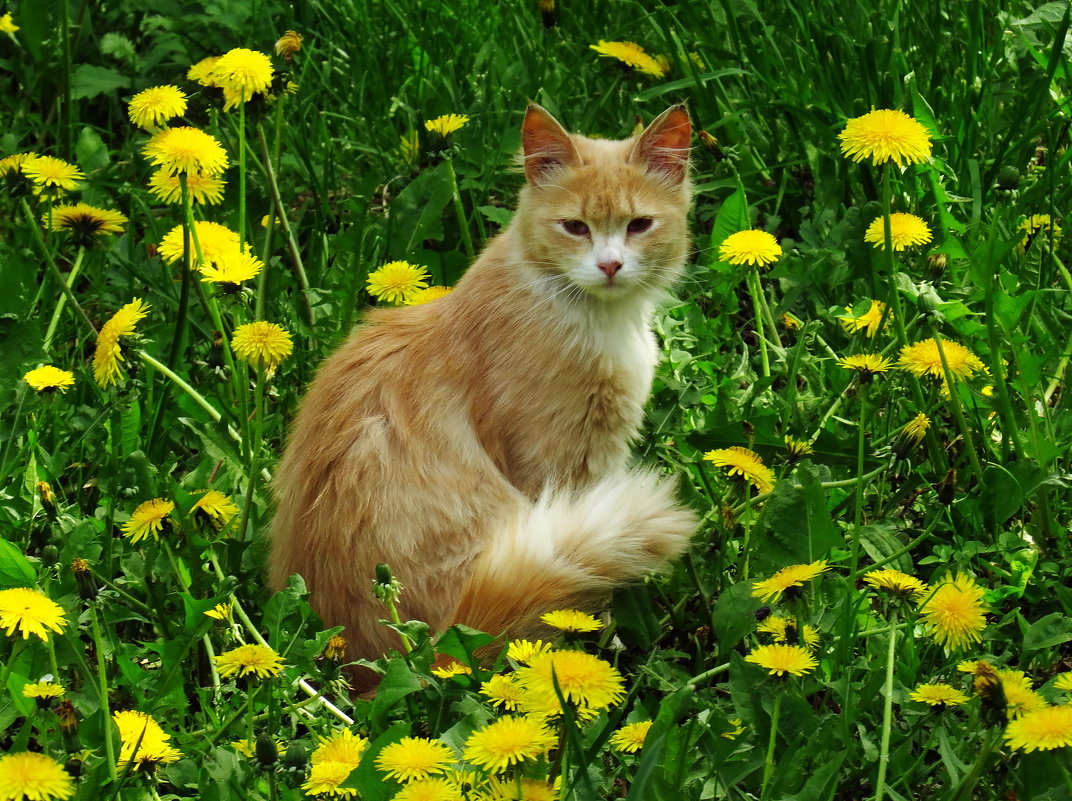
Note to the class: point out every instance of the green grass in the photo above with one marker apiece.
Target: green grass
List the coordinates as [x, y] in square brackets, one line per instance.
[984, 494]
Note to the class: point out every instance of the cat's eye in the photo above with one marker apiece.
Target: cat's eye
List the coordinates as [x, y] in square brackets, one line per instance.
[575, 227]
[639, 225]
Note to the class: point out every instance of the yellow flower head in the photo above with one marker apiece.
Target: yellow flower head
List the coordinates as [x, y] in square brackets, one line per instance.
[7, 24]
[744, 463]
[583, 679]
[866, 364]
[507, 788]
[938, 695]
[217, 507]
[148, 519]
[51, 174]
[13, 164]
[409, 147]
[262, 344]
[906, 230]
[632, 55]
[750, 247]
[43, 690]
[397, 281]
[186, 149]
[221, 611]
[508, 741]
[793, 576]
[922, 358]
[201, 72]
[789, 322]
[916, 428]
[48, 378]
[325, 779]
[446, 124]
[452, 669]
[522, 651]
[779, 660]
[340, 746]
[885, 135]
[33, 776]
[245, 660]
[1042, 729]
[571, 620]
[503, 691]
[84, 222]
[414, 758]
[630, 738]
[428, 293]
[288, 44]
[797, 449]
[1063, 682]
[1020, 697]
[244, 72]
[202, 189]
[896, 582]
[784, 630]
[151, 108]
[954, 614]
[233, 268]
[30, 612]
[335, 648]
[1040, 226]
[869, 321]
[142, 740]
[433, 789]
[217, 242]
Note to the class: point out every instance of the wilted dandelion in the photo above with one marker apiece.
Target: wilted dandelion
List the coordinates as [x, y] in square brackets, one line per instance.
[744, 463]
[796, 449]
[262, 344]
[508, 741]
[414, 758]
[1037, 224]
[571, 620]
[630, 738]
[916, 428]
[793, 576]
[288, 44]
[885, 135]
[397, 281]
[29, 611]
[446, 124]
[33, 776]
[780, 660]
[221, 611]
[151, 108]
[954, 613]
[753, 247]
[632, 55]
[906, 230]
[246, 660]
[48, 378]
[147, 519]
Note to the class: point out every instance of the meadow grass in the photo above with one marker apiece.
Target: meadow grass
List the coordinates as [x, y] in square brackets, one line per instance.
[775, 661]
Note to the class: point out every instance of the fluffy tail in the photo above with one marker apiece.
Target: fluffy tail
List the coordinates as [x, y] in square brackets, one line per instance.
[568, 551]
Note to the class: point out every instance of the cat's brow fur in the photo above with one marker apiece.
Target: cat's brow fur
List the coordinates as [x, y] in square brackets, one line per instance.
[479, 443]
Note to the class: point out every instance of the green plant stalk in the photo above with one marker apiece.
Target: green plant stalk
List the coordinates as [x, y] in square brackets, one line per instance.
[709, 674]
[968, 784]
[61, 303]
[102, 679]
[254, 453]
[242, 173]
[53, 269]
[198, 398]
[954, 402]
[891, 261]
[459, 210]
[887, 712]
[768, 762]
[754, 290]
[65, 108]
[858, 505]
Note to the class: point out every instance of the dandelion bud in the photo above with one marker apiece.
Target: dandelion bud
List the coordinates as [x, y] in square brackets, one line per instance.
[84, 579]
[47, 496]
[68, 718]
[267, 753]
[289, 44]
[295, 758]
[1008, 179]
[50, 555]
[335, 648]
[947, 487]
[928, 301]
[547, 13]
[386, 587]
[73, 767]
[936, 265]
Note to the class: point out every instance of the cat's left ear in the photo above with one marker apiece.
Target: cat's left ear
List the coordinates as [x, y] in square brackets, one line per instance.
[663, 148]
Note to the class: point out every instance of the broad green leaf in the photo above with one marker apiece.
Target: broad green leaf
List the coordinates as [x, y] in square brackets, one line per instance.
[15, 569]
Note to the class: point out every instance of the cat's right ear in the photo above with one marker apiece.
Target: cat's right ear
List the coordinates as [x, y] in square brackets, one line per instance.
[546, 145]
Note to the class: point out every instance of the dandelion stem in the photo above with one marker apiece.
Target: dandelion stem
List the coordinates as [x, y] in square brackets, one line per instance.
[754, 290]
[887, 712]
[254, 452]
[72, 275]
[708, 674]
[459, 209]
[954, 402]
[768, 763]
[102, 678]
[964, 791]
[185, 387]
[858, 505]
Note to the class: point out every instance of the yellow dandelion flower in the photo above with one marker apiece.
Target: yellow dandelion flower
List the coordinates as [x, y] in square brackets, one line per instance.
[632, 55]
[186, 149]
[571, 620]
[48, 378]
[503, 691]
[202, 189]
[397, 281]
[797, 449]
[522, 651]
[434, 789]
[916, 428]
[340, 746]
[335, 648]
[201, 72]
[30, 612]
[906, 230]
[151, 108]
[507, 788]
[43, 690]
[409, 147]
[867, 322]
[790, 322]
[219, 508]
[33, 776]
[245, 660]
[445, 124]
[736, 731]
[414, 758]
[508, 741]
[938, 695]
[753, 247]
[221, 611]
[630, 738]
[583, 679]
[793, 576]
[49, 173]
[83, 221]
[427, 294]
[244, 72]
[744, 463]
[7, 24]
[288, 44]
[142, 740]
[148, 519]
[13, 163]
[780, 660]
[1042, 729]
[452, 669]
[1063, 681]
[232, 268]
[922, 358]
[325, 778]
[1041, 226]
[785, 630]
[216, 241]
[1020, 697]
[954, 614]
[262, 344]
[866, 364]
[896, 582]
[885, 135]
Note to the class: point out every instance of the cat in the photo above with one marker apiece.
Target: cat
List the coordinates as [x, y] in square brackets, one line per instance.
[479, 443]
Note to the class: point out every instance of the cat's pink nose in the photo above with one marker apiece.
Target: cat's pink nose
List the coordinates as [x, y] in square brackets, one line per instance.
[610, 268]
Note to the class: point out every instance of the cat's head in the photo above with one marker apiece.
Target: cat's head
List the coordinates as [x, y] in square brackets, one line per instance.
[609, 217]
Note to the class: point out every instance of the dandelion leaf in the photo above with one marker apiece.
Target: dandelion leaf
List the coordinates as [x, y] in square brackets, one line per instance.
[15, 569]
[796, 527]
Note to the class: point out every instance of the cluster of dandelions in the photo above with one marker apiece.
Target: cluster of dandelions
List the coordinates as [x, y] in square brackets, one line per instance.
[212, 507]
[400, 282]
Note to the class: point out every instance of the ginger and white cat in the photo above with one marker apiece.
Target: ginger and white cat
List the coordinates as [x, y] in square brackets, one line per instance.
[479, 443]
